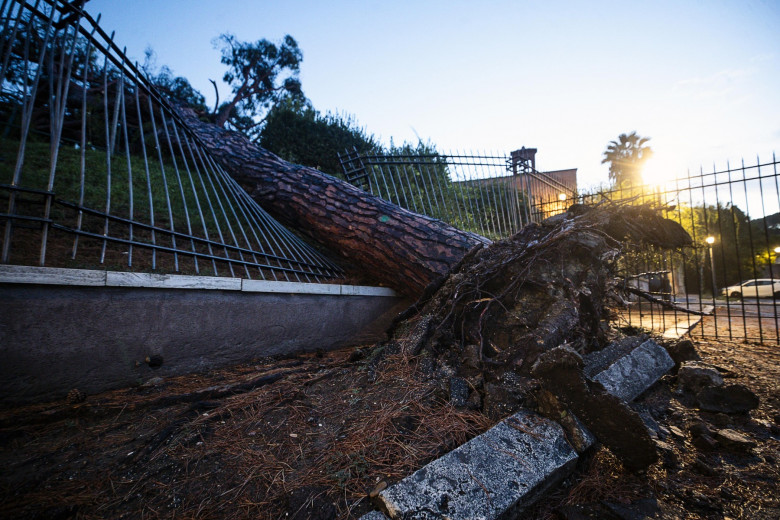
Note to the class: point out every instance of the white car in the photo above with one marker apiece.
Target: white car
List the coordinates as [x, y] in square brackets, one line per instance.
[758, 288]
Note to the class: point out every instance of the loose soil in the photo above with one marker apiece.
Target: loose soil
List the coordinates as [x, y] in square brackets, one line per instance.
[312, 436]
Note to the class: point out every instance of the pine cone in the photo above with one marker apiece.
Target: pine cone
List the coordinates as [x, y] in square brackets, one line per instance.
[76, 396]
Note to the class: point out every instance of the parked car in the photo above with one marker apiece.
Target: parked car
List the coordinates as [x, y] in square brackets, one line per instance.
[757, 288]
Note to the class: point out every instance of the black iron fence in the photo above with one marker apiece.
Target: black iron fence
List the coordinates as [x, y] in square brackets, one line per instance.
[732, 271]
[491, 194]
[96, 169]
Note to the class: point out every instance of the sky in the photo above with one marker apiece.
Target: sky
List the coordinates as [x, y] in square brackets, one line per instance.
[701, 78]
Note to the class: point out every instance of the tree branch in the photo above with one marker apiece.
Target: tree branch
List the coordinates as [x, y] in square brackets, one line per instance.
[649, 297]
[216, 91]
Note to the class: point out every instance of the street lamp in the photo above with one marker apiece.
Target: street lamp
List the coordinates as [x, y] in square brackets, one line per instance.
[711, 240]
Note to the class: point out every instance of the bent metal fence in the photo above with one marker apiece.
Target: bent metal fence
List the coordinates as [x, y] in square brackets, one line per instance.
[491, 194]
[97, 169]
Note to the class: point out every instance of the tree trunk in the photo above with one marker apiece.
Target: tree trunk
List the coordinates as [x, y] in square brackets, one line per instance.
[398, 248]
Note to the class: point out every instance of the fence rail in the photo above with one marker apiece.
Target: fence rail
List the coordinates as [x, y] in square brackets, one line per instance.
[96, 168]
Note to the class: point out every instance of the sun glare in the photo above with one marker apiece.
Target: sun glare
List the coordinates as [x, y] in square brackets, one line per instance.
[661, 169]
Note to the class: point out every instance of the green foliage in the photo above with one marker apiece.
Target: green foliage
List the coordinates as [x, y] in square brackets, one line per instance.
[67, 182]
[419, 178]
[260, 74]
[298, 133]
[626, 157]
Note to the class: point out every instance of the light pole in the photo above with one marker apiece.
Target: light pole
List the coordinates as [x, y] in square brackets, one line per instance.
[711, 240]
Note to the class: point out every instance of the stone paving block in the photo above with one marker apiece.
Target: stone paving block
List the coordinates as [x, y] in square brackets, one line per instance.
[373, 515]
[495, 474]
[636, 371]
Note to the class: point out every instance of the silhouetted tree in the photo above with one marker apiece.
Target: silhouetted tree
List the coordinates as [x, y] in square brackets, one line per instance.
[260, 74]
[626, 157]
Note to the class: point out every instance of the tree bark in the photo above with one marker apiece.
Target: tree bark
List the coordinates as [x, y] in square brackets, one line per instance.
[398, 248]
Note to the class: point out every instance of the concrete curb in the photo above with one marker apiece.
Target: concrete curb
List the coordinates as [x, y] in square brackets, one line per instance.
[497, 474]
[22, 274]
[631, 374]
[502, 470]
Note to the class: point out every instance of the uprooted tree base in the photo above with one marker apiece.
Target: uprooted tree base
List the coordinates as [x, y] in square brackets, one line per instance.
[512, 318]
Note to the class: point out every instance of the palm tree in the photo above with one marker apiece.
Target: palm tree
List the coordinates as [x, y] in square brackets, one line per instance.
[626, 156]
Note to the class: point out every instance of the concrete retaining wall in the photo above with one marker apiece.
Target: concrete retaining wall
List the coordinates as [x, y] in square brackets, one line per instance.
[62, 329]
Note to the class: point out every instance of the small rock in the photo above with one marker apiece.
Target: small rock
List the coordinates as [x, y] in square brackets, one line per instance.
[734, 440]
[727, 399]
[705, 442]
[701, 467]
[676, 432]
[668, 455]
[695, 375]
[699, 428]
[682, 351]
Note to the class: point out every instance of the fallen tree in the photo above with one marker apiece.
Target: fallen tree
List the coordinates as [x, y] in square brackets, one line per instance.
[499, 326]
[399, 248]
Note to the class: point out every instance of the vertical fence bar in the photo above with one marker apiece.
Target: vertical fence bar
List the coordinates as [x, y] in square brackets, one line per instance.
[27, 111]
[58, 106]
[164, 125]
[768, 248]
[150, 197]
[130, 208]
[83, 143]
[752, 255]
[108, 156]
[734, 226]
[164, 183]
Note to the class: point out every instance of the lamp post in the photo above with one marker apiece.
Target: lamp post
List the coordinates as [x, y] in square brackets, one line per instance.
[711, 240]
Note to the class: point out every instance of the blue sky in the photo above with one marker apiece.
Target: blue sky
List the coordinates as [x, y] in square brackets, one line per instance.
[700, 78]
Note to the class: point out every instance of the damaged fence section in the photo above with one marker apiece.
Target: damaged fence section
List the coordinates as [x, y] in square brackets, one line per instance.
[97, 170]
[730, 274]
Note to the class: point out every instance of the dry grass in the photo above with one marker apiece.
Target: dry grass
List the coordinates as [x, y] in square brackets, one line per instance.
[317, 440]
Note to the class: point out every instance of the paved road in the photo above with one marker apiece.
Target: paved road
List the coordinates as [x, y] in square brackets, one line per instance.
[752, 307]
